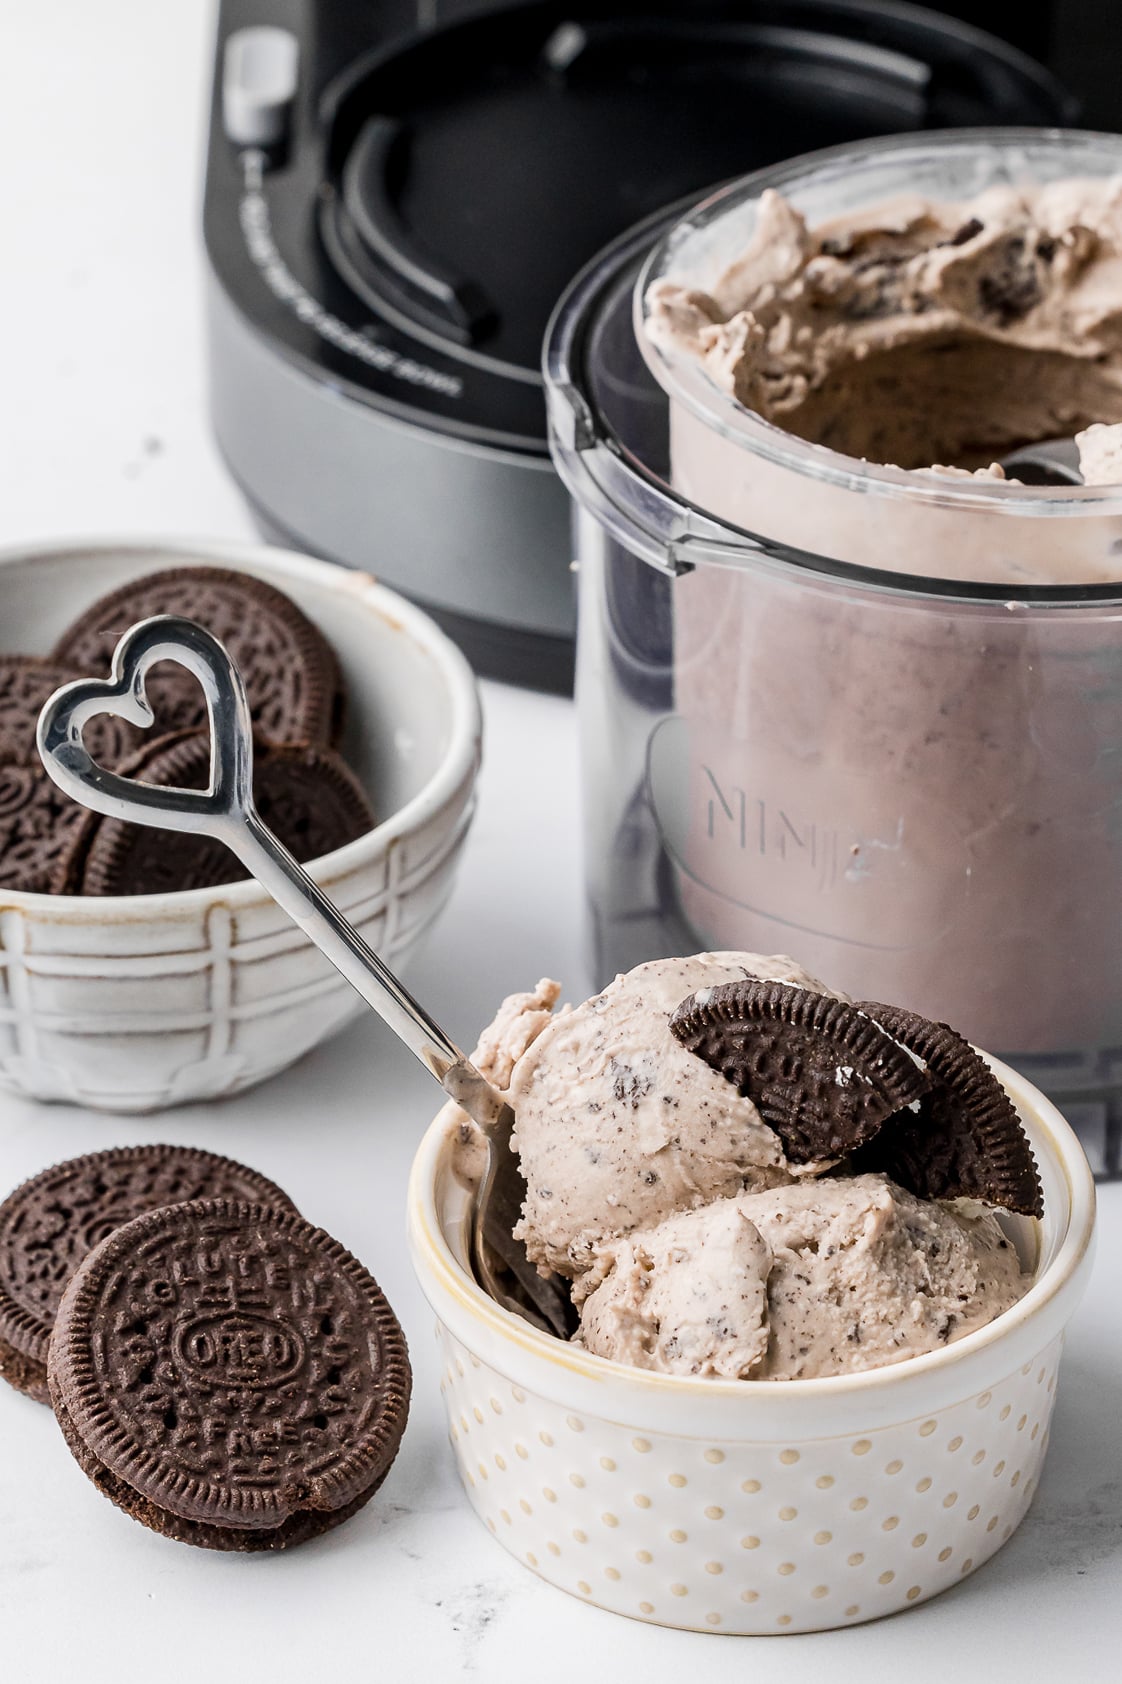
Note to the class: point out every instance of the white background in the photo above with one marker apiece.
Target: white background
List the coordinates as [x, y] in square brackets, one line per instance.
[103, 431]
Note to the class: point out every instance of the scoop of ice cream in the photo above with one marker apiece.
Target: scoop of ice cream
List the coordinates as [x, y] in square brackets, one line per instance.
[800, 1281]
[519, 1019]
[913, 331]
[687, 1297]
[866, 1274]
[618, 1126]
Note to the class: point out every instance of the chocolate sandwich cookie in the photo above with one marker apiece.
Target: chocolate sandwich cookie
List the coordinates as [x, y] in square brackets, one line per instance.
[291, 675]
[820, 1072]
[229, 1375]
[37, 822]
[964, 1138]
[307, 796]
[26, 683]
[38, 826]
[48, 1225]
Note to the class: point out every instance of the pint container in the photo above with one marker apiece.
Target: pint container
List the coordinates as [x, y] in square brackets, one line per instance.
[869, 717]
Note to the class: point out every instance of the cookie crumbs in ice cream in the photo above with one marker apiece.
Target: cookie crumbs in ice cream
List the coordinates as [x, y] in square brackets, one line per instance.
[799, 1282]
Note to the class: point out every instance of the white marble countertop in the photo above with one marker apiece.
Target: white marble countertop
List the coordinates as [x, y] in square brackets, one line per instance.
[103, 430]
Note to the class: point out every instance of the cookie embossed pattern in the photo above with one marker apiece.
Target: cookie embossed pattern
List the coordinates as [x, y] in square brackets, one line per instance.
[52, 1222]
[229, 1375]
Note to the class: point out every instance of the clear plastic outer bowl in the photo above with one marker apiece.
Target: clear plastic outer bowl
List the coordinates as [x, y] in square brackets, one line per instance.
[801, 731]
[753, 1508]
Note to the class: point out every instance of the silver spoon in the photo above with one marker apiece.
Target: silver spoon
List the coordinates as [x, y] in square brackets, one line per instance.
[226, 812]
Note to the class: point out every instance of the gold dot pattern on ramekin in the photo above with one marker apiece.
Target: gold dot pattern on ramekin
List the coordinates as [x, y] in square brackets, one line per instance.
[742, 1536]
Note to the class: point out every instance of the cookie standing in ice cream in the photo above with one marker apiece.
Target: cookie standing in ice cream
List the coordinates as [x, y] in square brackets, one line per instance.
[709, 1170]
[618, 1125]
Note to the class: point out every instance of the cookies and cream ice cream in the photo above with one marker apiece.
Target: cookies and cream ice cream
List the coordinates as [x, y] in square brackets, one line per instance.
[659, 1190]
[687, 1297]
[915, 786]
[821, 1277]
[617, 1126]
[914, 332]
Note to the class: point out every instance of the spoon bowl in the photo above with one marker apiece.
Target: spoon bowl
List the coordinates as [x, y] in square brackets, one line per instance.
[1050, 462]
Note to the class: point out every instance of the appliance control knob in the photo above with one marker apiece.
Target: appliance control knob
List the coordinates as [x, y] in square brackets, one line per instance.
[259, 74]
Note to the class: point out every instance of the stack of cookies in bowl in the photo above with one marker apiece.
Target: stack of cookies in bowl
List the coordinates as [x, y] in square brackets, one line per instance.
[303, 787]
[139, 970]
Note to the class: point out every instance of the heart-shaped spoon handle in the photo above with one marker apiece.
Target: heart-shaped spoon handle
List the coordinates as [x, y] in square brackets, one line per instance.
[226, 811]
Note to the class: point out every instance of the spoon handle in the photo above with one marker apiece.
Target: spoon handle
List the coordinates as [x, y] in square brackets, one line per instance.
[266, 858]
[226, 812]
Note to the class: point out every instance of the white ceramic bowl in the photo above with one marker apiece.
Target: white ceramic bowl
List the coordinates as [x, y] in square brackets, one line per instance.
[133, 1003]
[754, 1508]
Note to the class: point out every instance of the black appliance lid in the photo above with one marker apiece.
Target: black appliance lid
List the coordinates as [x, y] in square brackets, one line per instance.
[472, 171]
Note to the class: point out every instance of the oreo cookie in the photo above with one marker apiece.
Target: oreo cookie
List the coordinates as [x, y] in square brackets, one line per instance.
[38, 829]
[26, 683]
[37, 822]
[307, 796]
[229, 1375]
[819, 1071]
[50, 1223]
[964, 1139]
[291, 675]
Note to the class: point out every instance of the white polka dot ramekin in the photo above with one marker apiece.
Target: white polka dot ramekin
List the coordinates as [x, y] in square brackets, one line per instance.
[748, 1508]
